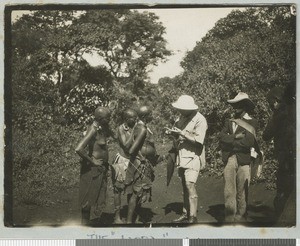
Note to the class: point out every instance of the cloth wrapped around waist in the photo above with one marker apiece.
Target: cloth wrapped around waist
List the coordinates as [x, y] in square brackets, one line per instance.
[139, 171]
[120, 166]
[99, 161]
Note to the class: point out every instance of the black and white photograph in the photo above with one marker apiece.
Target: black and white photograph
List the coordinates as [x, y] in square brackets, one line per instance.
[150, 116]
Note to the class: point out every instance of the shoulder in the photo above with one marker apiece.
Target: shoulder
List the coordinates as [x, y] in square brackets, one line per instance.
[253, 122]
[140, 128]
[120, 128]
[90, 131]
[200, 119]
[91, 128]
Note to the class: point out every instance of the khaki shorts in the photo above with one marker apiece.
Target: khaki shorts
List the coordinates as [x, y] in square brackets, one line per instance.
[188, 174]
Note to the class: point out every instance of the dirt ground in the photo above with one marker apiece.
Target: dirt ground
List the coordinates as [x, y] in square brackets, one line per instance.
[166, 205]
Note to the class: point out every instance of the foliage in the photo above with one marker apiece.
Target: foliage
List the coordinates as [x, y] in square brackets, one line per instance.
[249, 51]
[81, 102]
[44, 162]
[128, 41]
[33, 99]
[80, 73]
[45, 36]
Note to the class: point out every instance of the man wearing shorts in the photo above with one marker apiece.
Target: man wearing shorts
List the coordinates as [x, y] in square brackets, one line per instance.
[190, 130]
[119, 168]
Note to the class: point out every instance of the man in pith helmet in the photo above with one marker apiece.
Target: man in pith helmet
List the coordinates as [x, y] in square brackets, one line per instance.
[189, 130]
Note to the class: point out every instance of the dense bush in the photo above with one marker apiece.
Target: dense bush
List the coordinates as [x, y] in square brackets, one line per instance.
[44, 162]
[81, 102]
[249, 51]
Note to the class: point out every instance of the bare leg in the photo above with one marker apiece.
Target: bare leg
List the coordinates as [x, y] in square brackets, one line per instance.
[186, 207]
[85, 215]
[193, 199]
[138, 209]
[117, 200]
[131, 208]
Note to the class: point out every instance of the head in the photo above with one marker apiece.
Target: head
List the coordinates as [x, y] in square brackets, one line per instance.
[129, 117]
[145, 114]
[239, 108]
[102, 116]
[185, 105]
[274, 97]
[241, 104]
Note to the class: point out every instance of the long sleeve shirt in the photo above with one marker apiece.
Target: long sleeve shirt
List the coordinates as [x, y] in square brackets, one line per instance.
[239, 147]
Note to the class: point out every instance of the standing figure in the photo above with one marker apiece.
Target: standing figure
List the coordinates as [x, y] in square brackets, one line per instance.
[190, 132]
[119, 168]
[140, 172]
[281, 128]
[94, 166]
[238, 145]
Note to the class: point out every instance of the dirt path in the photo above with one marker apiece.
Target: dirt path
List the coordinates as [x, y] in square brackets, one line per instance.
[166, 205]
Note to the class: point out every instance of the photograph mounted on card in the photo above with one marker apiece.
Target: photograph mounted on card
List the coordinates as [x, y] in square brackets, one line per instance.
[138, 116]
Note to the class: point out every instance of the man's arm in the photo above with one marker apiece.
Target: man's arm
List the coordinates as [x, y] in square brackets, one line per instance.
[244, 143]
[197, 136]
[84, 142]
[225, 136]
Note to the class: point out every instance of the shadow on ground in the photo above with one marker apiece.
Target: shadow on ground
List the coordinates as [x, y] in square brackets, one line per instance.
[175, 207]
[261, 215]
[217, 211]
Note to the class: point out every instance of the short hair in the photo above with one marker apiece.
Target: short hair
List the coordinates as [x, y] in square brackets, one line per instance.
[129, 113]
[144, 111]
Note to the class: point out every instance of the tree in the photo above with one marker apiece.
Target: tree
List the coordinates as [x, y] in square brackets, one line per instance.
[53, 43]
[128, 41]
[252, 57]
[47, 38]
[248, 51]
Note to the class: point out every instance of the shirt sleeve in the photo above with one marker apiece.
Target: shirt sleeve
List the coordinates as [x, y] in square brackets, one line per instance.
[244, 144]
[225, 136]
[200, 131]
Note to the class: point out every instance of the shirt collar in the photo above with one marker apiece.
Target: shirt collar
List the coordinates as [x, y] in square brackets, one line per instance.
[247, 116]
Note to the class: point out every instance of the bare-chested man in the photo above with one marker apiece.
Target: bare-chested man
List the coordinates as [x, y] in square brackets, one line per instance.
[143, 157]
[94, 165]
[119, 168]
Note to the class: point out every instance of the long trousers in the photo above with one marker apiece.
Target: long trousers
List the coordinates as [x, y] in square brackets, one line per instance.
[237, 179]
